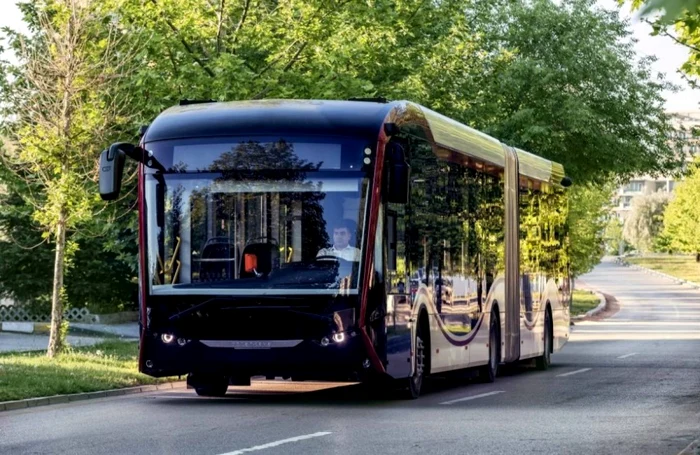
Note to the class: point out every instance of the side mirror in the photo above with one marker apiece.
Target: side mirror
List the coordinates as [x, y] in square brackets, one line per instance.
[398, 174]
[111, 169]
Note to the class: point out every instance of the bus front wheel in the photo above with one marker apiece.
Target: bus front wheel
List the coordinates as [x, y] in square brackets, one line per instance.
[209, 385]
[421, 359]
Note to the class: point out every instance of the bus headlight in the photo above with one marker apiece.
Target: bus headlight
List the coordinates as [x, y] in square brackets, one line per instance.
[338, 337]
[167, 338]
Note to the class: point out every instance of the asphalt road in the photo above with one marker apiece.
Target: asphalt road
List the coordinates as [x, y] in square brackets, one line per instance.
[628, 385]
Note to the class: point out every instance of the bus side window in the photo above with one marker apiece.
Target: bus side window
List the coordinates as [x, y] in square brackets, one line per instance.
[396, 264]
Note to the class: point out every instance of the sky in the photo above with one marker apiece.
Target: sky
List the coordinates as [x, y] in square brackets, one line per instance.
[670, 55]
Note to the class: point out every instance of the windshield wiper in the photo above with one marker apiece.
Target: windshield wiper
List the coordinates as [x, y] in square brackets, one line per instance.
[212, 300]
[199, 306]
[193, 309]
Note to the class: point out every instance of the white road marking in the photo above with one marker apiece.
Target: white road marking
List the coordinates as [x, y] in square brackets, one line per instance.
[627, 355]
[473, 397]
[582, 370]
[270, 445]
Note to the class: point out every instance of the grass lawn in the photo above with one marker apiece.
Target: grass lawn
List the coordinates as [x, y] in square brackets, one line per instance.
[683, 267]
[582, 302]
[108, 365]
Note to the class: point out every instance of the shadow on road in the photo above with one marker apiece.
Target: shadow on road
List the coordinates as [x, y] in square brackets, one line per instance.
[338, 394]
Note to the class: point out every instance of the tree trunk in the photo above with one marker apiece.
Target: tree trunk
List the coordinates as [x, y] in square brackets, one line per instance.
[56, 337]
[697, 257]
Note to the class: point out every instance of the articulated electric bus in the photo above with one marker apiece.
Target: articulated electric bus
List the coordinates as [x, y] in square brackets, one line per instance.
[341, 240]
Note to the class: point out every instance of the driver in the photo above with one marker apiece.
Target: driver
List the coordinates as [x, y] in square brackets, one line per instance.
[342, 233]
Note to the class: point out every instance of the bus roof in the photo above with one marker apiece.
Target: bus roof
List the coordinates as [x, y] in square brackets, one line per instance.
[348, 118]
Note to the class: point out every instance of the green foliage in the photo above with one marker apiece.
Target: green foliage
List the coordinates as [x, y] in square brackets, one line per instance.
[101, 278]
[59, 103]
[521, 71]
[682, 220]
[26, 259]
[679, 20]
[107, 365]
[583, 301]
[575, 93]
[645, 221]
[669, 10]
[559, 79]
[614, 241]
[588, 207]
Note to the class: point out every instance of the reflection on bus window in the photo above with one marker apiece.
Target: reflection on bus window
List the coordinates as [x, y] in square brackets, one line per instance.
[257, 229]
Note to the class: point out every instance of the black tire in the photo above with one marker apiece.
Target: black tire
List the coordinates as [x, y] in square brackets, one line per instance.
[545, 360]
[211, 386]
[414, 384]
[488, 372]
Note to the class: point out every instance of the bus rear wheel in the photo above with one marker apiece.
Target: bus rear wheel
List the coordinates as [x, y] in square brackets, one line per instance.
[545, 360]
[488, 372]
[209, 385]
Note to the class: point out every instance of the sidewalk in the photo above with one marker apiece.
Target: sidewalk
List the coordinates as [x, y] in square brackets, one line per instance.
[29, 342]
[10, 341]
[126, 330]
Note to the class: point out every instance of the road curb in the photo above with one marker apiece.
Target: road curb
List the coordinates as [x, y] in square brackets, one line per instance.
[60, 399]
[601, 306]
[692, 449]
[675, 279]
[608, 307]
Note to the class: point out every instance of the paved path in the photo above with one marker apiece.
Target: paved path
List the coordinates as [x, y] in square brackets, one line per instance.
[26, 342]
[126, 330]
[630, 385]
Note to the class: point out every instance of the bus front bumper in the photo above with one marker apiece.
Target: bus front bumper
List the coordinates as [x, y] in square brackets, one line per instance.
[339, 359]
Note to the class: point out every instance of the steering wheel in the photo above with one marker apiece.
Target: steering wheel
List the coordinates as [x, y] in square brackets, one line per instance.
[332, 259]
[329, 258]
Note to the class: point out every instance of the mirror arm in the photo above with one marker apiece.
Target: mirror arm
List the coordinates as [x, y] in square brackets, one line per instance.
[137, 154]
[134, 152]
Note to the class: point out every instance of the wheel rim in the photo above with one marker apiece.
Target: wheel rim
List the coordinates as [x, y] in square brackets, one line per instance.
[420, 363]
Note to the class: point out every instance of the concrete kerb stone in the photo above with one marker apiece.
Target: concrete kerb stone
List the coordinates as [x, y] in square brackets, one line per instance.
[33, 402]
[18, 404]
[59, 399]
[692, 449]
[601, 305]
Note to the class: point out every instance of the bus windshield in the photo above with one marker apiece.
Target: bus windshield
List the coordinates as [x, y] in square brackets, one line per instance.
[227, 230]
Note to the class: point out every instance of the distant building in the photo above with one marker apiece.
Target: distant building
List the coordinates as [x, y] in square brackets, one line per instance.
[684, 122]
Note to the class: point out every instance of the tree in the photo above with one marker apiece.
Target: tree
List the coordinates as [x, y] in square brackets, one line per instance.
[669, 10]
[678, 20]
[614, 242]
[645, 221]
[520, 71]
[575, 92]
[588, 208]
[26, 258]
[682, 219]
[61, 105]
